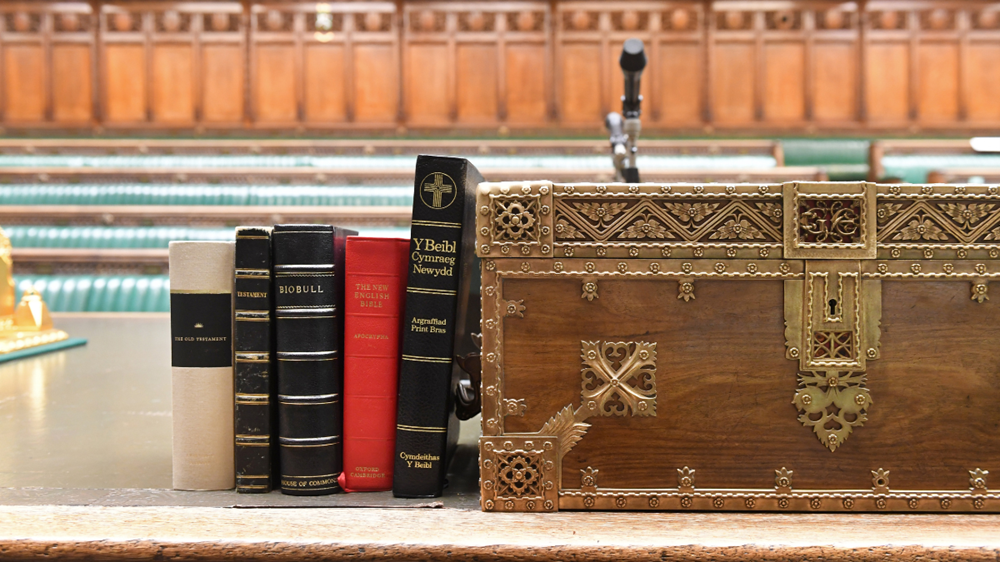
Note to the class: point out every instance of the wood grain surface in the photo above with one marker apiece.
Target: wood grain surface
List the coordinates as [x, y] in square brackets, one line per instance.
[725, 388]
[107, 533]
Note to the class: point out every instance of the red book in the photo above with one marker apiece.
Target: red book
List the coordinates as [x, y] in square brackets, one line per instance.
[374, 295]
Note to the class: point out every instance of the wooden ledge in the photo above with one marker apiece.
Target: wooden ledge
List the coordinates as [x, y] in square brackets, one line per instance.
[124, 533]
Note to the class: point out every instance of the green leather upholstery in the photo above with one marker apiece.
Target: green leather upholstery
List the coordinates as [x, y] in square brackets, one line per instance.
[166, 194]
[108, 236]
[106, 293]
[913, 168]
[843, 159]
[821, 152]
[22, 236]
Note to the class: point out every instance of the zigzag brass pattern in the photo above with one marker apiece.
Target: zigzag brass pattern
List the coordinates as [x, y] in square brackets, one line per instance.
[949, 221]
[699, 220]
[830, 244]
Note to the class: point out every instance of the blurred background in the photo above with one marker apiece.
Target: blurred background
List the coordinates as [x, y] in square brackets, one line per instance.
[129, 124]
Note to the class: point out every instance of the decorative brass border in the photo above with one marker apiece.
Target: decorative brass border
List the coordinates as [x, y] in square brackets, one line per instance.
[750, 499]
[593, 262]
[875, 196]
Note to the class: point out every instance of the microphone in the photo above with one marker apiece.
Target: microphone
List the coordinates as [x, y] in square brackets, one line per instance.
[632, 62]
[624, 132]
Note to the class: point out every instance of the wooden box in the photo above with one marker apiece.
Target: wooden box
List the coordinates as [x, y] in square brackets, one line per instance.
[808, 346]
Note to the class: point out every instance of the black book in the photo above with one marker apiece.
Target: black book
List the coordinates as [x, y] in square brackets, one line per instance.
[309, 320]
[440, 309]
[254, 383]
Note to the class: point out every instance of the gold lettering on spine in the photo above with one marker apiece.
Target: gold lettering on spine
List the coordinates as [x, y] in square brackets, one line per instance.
[251, 295]
[299, 289]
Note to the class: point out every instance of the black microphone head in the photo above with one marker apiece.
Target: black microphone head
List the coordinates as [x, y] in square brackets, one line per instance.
[633, 57]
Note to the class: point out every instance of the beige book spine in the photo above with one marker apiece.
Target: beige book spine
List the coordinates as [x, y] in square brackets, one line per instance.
[203, 454]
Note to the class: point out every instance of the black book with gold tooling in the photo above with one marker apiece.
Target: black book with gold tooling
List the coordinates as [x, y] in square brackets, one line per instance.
[308, 299]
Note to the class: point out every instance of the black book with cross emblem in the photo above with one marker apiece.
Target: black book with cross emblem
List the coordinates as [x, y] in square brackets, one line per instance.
[442, 308]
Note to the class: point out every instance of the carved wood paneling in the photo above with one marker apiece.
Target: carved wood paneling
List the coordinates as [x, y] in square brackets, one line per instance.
[818, 65]
[324, 64]
[476, 63]
[171, 64]
[47, 63]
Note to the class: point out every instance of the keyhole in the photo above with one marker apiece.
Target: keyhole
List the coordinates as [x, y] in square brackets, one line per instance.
[833, 307]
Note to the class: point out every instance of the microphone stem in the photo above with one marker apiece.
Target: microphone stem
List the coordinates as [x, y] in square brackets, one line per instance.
[632, 128]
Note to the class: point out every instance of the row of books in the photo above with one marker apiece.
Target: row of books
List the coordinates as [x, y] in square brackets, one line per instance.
[312, 360]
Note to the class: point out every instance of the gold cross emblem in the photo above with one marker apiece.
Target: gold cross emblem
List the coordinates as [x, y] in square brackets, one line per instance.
[437, 189]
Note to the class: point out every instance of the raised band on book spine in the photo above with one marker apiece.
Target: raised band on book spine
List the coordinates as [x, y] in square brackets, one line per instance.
[256, 451]
[308, 293]
[440, 309]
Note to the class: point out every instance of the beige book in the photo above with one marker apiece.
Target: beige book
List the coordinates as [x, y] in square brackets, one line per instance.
[201, 290]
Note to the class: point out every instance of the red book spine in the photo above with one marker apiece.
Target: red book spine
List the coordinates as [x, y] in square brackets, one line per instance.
[374, 295]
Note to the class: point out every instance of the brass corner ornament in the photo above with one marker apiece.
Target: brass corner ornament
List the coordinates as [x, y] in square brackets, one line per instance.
[520, 472]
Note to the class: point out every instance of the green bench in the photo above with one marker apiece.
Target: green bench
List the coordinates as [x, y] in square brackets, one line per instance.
[233, 195]
[913, 168]
[843, 159]
[30, 236]
[23, 236]
[91, 293]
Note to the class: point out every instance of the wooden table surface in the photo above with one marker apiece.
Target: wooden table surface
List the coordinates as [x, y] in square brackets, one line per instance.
[85, 467]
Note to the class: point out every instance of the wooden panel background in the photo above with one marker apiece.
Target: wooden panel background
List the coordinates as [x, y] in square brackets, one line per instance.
[714, 66]
[171, 64]
[479, 64]
[48, 63]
